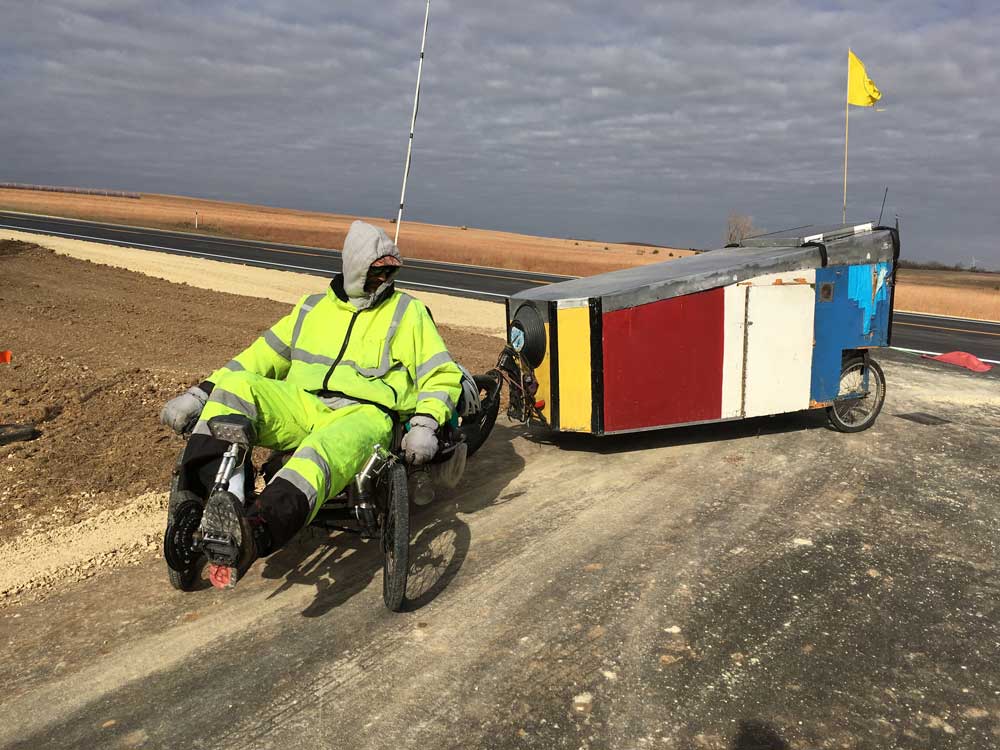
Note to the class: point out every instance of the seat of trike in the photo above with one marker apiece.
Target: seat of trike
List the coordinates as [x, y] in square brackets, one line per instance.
[450, 437]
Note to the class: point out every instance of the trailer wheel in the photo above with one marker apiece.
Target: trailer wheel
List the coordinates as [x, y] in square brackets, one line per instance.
[857, 414]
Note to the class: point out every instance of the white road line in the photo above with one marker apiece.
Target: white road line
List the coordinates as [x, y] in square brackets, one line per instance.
[405, 283]
[948, 317]
[935, 354]
[248, 262]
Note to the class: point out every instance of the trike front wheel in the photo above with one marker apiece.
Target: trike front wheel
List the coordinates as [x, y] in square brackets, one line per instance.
[395, 538]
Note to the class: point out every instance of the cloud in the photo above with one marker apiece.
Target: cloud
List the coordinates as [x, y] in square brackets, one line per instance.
[639, 121]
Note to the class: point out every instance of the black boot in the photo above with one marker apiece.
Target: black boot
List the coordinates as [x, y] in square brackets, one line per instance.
[227, 537]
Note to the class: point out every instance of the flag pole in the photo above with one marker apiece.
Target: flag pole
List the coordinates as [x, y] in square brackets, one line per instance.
[847, 123]
[413, 122]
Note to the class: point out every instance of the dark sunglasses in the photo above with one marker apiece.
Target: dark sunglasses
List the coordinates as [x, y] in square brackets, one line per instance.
[382, 272]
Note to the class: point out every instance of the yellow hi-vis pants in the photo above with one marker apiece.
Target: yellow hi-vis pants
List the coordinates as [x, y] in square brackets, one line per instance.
[331, 445]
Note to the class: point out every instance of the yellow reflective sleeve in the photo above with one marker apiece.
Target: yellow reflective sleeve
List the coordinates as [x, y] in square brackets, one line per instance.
[438, 379]
[269, 355]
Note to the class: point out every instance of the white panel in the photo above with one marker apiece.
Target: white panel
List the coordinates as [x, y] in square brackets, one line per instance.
[734, 329]
[779, 348]
[566, 304]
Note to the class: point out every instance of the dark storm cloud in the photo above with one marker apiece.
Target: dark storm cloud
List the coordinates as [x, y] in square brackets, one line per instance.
[638, 121]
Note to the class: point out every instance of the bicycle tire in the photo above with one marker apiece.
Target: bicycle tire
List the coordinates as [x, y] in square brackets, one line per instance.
[840, 414]
[478, 429]
[185, 571]
[395, 538]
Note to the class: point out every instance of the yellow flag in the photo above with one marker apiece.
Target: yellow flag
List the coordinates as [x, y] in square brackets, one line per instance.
[861, 90]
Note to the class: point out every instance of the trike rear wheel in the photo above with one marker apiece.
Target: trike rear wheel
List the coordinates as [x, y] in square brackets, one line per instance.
[395, 537]
[478, 428]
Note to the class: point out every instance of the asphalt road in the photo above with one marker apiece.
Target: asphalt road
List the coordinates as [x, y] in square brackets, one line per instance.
[911, 331]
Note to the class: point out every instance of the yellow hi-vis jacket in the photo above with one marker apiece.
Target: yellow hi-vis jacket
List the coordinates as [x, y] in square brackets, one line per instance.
[390, 354]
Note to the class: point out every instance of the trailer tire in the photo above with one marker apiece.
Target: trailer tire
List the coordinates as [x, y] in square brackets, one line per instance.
[857, 414]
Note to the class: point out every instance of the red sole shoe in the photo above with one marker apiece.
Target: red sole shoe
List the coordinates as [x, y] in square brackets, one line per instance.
[222, 576]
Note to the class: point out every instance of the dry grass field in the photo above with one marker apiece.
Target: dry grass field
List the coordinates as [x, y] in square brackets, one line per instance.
[961, 293]
[452, 244]
[973, 295]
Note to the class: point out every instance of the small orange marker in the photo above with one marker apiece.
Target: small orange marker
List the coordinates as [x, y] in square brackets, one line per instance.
[5, 357]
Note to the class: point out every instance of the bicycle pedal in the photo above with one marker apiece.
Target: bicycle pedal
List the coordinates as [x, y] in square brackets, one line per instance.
[221, 549]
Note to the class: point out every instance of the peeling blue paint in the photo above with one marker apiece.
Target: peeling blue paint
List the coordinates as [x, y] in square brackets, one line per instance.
[866, 288]
[856, 315]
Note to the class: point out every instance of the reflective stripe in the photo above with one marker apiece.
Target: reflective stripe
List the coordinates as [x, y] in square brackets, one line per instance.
[397, 318]
[232, 401]
[367, 372]
[280, 348]
[301, 355]
[300, 483]
[234, 366]
[338, 402]
[308, 358]
[436, 361]
[312, 456]
[439, 395]
[311, 301]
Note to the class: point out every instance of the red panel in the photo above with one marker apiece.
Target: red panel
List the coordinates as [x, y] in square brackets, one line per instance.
[663, 362]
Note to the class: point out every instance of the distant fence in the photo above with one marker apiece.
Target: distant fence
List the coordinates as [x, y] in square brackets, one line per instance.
[56, 189]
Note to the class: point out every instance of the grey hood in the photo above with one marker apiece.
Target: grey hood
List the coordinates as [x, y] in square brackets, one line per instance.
[364, 245]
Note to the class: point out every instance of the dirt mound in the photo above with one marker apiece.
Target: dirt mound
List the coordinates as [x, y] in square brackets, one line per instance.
[14, 248]
[96, 352]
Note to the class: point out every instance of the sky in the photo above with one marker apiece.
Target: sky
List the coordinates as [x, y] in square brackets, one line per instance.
[630, 121]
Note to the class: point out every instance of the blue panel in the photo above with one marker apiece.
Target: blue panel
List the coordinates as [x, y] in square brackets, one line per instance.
[857, 315]
[866, 288]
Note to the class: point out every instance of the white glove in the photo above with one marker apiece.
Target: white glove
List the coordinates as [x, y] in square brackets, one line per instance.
[182, 412]
[420, 444]
[468, 402]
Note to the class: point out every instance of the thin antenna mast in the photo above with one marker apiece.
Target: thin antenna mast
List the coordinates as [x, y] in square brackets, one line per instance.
[413, 123]
[879, 222]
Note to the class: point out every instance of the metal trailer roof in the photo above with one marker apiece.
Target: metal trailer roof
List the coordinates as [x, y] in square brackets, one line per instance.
[789, 250]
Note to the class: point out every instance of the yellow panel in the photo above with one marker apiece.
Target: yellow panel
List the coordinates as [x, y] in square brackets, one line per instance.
[544, 379]
[574, 369]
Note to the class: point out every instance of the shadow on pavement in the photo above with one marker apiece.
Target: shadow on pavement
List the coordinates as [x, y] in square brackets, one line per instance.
[717, 432]
[341, 564]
